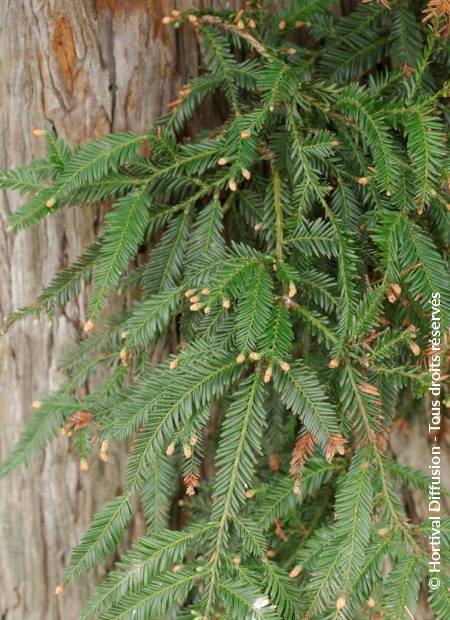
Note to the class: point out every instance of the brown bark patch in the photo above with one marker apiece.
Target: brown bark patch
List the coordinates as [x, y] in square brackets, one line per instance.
[156, 9]
[63, 46]
[122, 6]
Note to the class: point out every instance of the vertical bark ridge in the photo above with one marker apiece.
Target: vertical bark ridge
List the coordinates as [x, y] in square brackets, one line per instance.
[84, 69]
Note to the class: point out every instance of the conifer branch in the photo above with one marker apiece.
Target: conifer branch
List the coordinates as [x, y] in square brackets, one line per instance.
[282, 258]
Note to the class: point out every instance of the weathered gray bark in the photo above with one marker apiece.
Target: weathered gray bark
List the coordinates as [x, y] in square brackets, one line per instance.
[84, 68]
[410, 445]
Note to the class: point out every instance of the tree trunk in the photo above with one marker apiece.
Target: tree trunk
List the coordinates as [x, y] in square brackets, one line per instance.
[83, 68]
[410, 445]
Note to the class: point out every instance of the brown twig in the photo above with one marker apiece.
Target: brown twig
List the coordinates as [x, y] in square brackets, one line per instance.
[213, 20]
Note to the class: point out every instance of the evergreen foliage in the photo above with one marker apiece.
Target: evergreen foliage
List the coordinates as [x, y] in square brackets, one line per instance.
[292, 251]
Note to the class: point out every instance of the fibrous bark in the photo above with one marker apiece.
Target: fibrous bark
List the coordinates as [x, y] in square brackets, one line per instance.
[84, 69]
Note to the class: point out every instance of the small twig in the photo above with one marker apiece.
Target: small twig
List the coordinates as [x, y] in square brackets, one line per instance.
[278, 214]
[213, 20]
[409, 614]
[410, 268]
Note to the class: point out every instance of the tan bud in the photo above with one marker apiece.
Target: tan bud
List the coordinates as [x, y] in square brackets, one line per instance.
[251, 24]
[396, 289]
[282, 24]
[391, 298]
[394, 293]
[335, 143]
[50, 203]
[240, 25]
[232, 185]
[340, 450]
[254, 356]
[194, 299]
[36, 404]
[104, 449]
[240, 358]
[223, 161]
[189, 293]
[245, 134]
[193, 440]
[267, 375]
[207, 310]
[258, 226]
[383, 531]
[193, 19]
[271, 553]
[341, 602]
[205, 291]
[249, 493]
[187, 451]
[246, 174]
[88, 326]
[173, 364]
[237, 560]
[226, 304]
[363, 180]
[176, 13]
[415, 348]
[84, 465]
[334, 362]
[292, 292]
[371, 603]
[190, 490]
[170, 449]
[37, 133]
[284, 366]
[59, 590]
[124, 335]
[125, 356]
[167, 20]
[195, 307]
[295, 572]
